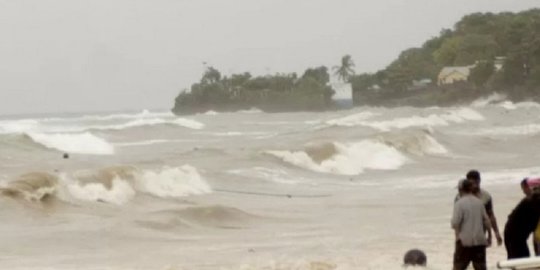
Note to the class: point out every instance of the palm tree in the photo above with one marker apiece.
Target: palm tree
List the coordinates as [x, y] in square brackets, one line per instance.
[345, 71]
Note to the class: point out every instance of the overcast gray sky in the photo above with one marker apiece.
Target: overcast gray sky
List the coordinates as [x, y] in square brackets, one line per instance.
[97, 55]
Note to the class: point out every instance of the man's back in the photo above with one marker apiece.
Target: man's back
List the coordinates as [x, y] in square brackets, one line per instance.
[524, 218]
[470, 219]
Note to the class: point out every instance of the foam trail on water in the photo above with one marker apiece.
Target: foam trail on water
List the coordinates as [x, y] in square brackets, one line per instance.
[351, 120]
[453, 116]
[81, 143]
[484, 101]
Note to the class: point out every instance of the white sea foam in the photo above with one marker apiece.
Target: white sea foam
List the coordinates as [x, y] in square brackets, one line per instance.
[351, 120]
[417, 144]
[188, 123]
[529, 129]
[81, 143]
[120, 192]
[211, 113]
[432, 146]
[273, 175]
[18, 126]
[452, 116]
[143, 143]
[252, 110]
[484, 101]
[125, 184]
[509, 105]
[528, 104]
[37, 126]
[349, 159]
[120, 116]
[172, 182]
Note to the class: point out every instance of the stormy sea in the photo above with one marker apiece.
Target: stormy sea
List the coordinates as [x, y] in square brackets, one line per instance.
[350, 189]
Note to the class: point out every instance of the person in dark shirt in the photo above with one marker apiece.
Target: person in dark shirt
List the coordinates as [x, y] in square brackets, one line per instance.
[522, 221]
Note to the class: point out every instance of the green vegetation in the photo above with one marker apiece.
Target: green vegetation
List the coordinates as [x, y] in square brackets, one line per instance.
[501, 53]
[345, 71]
[280, 92]
[479, 39]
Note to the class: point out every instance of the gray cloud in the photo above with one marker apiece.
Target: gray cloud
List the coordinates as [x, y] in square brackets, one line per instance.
[71, 55]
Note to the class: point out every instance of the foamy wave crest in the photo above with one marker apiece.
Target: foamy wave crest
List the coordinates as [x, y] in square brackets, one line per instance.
[211, 113]
[414, 143]
[17, 126]
[120, 192]
[172, 182]
[453, 116]
[81, 143]
[491, 99]
[118, 185]
[33, 187]
[252, 110]
[142, 114]
[509, 105]
[345, 159]
[530, 129]
[528, 104]
[143, 143]
[188, 123]
[72, 126]
[351, 120]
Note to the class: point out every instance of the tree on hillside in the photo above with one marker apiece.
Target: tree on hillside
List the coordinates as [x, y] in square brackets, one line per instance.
[345, 71]
[320, 74]
[481, 73]
[211, 75]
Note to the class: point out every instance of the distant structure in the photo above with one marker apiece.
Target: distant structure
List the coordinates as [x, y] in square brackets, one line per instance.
[415, 257]
[450, 75]
[343, 95]
[499, 62]
[420, 84]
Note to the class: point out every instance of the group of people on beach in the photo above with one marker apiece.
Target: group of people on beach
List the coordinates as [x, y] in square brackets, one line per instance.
[473, 221]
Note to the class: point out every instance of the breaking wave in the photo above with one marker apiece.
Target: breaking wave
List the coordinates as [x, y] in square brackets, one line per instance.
[491, 99]
[17, 126]
[211, 113]
[252, 110]
[81, 143]
[115, 185]
[351, 120]
[416, 142]
[172, 182]
[183, 122]
[119, 116]
[344, 159]
[453, 116]
[37, 126]
[33, 187]
[529, 129]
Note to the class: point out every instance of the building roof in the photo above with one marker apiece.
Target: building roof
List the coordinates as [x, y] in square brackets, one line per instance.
[465, 70]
